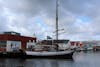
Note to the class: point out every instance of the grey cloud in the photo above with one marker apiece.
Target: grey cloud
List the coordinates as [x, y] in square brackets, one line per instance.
[22, 14]
[30, 7]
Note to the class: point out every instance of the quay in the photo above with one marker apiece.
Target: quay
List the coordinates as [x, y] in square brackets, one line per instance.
[17, 54]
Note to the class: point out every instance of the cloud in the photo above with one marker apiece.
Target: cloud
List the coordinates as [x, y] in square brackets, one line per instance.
[78, 18]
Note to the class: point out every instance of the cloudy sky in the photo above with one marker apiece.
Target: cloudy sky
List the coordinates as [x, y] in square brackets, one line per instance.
[80, 19]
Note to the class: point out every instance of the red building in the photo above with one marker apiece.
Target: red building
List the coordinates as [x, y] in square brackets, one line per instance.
[76, 44]
[10, 41]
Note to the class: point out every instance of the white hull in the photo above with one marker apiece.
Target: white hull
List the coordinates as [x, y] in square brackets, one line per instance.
[58, 54]
[47, 53]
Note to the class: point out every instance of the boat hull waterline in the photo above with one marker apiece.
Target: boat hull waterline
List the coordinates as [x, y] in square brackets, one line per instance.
[53, 55]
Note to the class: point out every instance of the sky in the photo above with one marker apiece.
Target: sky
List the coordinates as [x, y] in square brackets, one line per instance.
[80, 19]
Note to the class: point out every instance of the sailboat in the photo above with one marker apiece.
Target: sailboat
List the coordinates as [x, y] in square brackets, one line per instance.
[59, 54]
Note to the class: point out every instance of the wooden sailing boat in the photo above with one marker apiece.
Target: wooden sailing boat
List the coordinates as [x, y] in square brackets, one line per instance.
[68, 54]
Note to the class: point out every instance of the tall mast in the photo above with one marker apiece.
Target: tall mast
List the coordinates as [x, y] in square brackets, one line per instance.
[57, 19]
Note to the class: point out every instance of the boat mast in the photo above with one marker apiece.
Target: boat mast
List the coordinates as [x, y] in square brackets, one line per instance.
[56, 19]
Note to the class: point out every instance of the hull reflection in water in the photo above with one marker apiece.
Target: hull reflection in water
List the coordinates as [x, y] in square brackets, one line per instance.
[33, 63]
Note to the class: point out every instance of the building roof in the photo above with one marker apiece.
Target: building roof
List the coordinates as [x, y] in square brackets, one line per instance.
[12, 33]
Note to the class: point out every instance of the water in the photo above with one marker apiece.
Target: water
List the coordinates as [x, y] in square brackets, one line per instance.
[81, 59]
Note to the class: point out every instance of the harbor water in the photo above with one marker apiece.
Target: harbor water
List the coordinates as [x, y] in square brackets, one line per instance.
[80, 59]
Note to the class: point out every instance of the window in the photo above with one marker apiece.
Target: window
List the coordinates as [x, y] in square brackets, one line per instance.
[3, 44]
